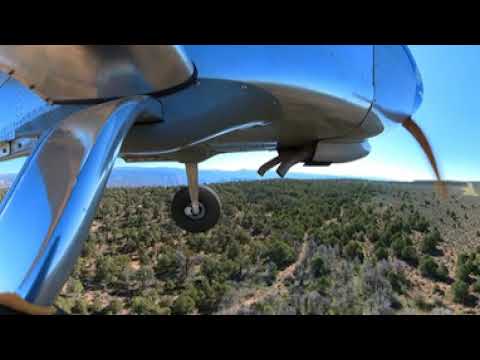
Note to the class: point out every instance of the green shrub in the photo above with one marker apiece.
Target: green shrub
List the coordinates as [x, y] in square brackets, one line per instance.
[476, 287]
[208, 294]
[319, 268]
[381, 253]
[399, 281]
[398, 245]
[429, 245]
[74, 287]
[375, 236]
[80, 307]
[463, 272]
[65, 303]
[442, 273]
[460, 292]
[430, 269]
[147, 306]
[111, 269]
[96, 307]
[409, 255]
[280, 253]
[233, 250]
[166, 265]
[115, 307]
[475, 264]
[463, 258]
[183, 305]
[422, 304]
[353, 250]
[386, 238]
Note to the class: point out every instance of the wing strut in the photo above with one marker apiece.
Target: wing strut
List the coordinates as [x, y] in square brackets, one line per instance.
[46, 216]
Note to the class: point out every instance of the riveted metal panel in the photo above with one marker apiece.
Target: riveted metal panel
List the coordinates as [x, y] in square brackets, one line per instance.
[324, 90]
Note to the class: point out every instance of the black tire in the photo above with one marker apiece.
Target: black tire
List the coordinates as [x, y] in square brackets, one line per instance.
[210, 202]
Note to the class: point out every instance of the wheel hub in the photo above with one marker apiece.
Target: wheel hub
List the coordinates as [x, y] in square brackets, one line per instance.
[191, 214]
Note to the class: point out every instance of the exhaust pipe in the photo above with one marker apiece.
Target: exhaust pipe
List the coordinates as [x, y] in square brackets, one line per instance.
[46, 216]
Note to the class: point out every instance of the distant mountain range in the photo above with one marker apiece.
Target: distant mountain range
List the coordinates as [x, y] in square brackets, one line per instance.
[161, 176]
[146, 177]
[138, 177]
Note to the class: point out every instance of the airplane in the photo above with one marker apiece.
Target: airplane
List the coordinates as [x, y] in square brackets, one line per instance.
[72, 110]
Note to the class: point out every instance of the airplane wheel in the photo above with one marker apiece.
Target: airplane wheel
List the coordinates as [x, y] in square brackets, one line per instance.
[207, 218]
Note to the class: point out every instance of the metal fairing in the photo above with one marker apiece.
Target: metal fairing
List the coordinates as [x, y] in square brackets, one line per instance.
[313, 84]
[340, 152]
[215, 109]
[323, 92]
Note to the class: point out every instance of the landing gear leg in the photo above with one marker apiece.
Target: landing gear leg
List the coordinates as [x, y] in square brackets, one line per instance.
[192, 176]
[197, 208]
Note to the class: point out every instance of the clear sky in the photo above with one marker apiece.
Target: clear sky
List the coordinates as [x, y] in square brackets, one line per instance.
[448, 115]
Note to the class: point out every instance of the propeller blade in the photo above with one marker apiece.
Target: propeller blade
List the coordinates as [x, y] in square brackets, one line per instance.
[412, 127]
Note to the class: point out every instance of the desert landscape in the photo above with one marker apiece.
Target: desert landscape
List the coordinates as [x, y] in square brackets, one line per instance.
[322, 247]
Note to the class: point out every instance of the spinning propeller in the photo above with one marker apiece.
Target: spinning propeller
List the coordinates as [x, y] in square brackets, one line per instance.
[414, 129]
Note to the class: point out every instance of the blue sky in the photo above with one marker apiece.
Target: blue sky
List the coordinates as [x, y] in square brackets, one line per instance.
[448, 115]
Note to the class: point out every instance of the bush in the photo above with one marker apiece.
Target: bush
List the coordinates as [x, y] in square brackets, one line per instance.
[430, 269]
[183, 305]
[409, 255]
[381, 253]
[111, 269]
[280, 253]
[74, 287]
[463, 272]
[399, 281]
[375, 236]
[463, 259]
[147, 306]
[429, 245]
[319, 268]
[166, 264]
[398, 246]
[442, 273]
[476, 287]
[65, 303]
[422, 304]
[234, 250]
[114, 308]
[80, 307]
[353, 250]
[208, 294]
[460, 292]
[386, 238]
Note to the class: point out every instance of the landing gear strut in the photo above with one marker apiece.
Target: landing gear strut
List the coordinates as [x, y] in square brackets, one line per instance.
[197, 208]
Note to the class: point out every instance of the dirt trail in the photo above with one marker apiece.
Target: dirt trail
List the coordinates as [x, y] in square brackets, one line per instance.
[276, 289]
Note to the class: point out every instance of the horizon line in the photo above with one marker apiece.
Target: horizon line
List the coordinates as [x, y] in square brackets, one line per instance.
[307, 174]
